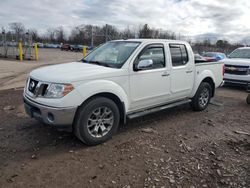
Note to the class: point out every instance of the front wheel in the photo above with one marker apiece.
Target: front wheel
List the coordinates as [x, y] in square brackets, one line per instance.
[202, 97]
[96, 121]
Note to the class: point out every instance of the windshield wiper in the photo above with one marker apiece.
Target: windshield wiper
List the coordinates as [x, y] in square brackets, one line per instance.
[93, 62]
[99, 63]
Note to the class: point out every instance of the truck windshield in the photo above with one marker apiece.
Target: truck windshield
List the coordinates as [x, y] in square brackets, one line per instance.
[240, 53]
[112, 54]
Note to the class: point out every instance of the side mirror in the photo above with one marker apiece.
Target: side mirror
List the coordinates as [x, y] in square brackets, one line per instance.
[144, 64]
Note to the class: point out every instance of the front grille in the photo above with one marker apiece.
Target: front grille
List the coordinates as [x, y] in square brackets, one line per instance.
[236, 69]
[37, 88]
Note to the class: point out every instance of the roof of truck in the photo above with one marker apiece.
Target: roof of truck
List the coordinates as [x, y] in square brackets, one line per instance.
[152, 40]
[244, 48]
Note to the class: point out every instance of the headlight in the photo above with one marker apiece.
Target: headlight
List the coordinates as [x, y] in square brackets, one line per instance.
[58, 90]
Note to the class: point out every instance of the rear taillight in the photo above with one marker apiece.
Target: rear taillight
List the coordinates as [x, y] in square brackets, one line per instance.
[223, 69]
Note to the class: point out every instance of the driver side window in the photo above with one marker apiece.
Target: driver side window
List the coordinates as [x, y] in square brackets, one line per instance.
[154, 53]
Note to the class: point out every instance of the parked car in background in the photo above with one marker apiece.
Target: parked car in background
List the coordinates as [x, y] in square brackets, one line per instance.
[119, 80]
[237, 67]
[199, 59]
[47, 45]
[90, 48]
[214, 56]
[55, 45]
[40, 45]
[79, 48]
[76, 48]
[66, 47]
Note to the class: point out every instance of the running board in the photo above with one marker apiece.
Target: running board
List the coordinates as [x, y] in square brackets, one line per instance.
[156, 109]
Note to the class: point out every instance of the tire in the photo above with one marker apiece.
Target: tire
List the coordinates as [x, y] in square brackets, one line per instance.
[202, 97]
[248, 99]
[90, 126]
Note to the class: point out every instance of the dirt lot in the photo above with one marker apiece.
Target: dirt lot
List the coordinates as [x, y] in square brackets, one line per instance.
[174, 148]
[13, 73]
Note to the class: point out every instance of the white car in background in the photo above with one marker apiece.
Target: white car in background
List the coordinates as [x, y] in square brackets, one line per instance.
[237, 67]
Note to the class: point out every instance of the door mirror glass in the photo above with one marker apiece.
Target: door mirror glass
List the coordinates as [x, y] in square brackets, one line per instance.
[144, 64]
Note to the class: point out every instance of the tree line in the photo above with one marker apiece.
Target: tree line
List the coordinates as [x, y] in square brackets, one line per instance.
[95, 35]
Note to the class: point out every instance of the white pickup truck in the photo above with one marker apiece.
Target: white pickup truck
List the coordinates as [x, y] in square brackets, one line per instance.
[119, 80]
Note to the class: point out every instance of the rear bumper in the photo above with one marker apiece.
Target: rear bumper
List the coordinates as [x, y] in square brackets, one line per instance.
[59, 117]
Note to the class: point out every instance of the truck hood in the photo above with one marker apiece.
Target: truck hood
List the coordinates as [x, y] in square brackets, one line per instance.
[73, 72]
[236, 61]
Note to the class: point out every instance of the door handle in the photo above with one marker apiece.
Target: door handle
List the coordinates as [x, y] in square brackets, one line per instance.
[165, 74]
[188, 72]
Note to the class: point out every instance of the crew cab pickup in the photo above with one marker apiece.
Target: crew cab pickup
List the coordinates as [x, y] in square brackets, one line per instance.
[119, 80]
[237, 67]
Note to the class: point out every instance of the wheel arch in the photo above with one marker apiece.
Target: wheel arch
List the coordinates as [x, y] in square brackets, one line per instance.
[120, 104]
[204, 76]
[211, 82]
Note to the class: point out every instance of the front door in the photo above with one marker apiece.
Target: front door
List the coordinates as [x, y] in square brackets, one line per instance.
[150, 86]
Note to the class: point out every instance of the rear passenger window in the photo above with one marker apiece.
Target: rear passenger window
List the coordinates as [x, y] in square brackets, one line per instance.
[179, 54]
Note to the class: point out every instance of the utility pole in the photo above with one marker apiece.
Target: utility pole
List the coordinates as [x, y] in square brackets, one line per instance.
[106, 33]
[92, 40]
[5, 48]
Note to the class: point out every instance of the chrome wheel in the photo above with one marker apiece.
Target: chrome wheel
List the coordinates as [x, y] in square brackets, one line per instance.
[100, 122]
[204, 97]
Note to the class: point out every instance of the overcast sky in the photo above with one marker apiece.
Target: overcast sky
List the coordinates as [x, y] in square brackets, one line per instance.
[227, 19]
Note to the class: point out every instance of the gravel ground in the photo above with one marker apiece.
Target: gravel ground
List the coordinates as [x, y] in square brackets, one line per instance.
[173, 148]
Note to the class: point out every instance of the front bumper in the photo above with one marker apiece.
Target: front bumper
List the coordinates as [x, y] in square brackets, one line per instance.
[240, 82]
[59, 117]
[237, 79]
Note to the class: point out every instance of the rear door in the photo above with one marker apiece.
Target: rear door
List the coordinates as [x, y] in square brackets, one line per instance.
[182, 73]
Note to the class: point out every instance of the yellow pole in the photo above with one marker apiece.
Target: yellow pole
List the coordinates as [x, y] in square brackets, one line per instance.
[36, 52]
[20, 46]
[84, 51]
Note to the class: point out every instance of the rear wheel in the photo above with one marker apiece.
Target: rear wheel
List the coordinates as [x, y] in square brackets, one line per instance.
[202, 97]
[97, 121]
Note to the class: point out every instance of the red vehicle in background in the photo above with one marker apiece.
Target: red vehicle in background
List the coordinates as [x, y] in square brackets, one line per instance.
[66, 47]
[214, 56]
[200, 59]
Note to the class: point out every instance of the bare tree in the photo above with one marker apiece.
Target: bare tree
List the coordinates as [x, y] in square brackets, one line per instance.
[145, 32]
[60, 35]
[34, 34]
[18, 28]
[127, 33]
[77, 35]
[51, 35]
